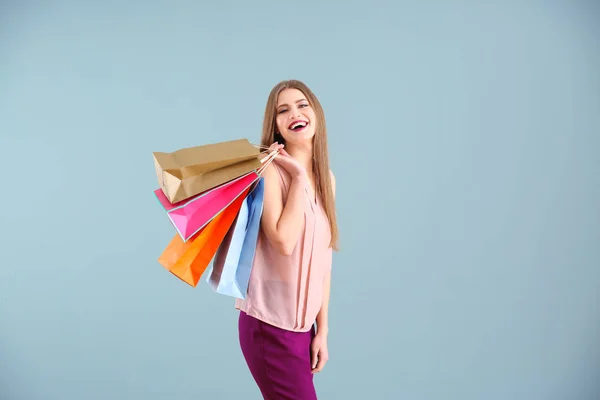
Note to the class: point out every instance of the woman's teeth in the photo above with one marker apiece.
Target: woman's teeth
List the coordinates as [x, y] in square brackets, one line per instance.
[298, 126]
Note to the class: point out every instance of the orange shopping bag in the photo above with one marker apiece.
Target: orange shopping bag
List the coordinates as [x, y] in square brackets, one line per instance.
[188, 260]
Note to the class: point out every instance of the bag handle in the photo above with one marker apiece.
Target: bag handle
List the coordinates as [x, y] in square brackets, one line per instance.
[266, 161]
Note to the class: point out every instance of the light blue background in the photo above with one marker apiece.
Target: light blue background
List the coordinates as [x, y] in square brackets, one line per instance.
[464, 138]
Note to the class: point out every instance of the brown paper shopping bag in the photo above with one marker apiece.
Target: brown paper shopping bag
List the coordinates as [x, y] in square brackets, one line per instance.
[187, 172]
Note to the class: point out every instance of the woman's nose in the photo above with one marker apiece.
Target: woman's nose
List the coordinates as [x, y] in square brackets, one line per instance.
[295, 113]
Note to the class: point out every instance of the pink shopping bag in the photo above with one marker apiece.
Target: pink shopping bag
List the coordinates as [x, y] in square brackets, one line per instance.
[191, 215]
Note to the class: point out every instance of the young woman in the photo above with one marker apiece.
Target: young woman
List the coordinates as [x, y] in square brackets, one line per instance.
[290, 280]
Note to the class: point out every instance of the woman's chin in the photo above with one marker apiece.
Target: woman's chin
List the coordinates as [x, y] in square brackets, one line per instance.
[299, 138]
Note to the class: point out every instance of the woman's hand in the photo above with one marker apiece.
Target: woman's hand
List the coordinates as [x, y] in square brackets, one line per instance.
[318, 351]
[274, 147]
[289, 163]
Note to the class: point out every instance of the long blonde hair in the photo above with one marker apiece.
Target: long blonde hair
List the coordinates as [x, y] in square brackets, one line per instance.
[320, 150]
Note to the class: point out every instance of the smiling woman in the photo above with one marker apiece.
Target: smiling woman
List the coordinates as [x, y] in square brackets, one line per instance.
[290, 280]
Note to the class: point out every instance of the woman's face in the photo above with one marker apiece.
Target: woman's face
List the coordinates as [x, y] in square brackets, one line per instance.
[295, 118]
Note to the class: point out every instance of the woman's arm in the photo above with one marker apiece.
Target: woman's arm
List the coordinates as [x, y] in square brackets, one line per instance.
[319, 351]
[282, 223]
[323, 316]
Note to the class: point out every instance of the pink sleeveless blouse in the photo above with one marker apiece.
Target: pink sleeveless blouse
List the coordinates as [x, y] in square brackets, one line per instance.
[287, 291]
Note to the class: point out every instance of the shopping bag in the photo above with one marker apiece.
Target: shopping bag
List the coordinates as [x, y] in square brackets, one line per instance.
[188, 260]
[191, 215]
[232, 264]
[187, 172]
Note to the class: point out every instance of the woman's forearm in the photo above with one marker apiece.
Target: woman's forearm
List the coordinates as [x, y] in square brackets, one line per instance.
[291, 221]
[323, 315]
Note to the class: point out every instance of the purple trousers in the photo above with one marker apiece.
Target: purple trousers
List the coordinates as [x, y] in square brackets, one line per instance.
[279, 360]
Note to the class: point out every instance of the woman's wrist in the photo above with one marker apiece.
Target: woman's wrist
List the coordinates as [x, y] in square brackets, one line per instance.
[322, 330]
[300, 177]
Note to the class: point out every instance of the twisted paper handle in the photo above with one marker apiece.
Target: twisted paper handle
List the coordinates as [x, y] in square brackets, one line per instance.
[266, 161]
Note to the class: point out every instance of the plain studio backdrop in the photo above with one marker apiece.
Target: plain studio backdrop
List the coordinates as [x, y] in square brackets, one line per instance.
[464, 137]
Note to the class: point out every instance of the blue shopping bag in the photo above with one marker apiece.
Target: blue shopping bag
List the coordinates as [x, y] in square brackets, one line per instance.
[232, 264]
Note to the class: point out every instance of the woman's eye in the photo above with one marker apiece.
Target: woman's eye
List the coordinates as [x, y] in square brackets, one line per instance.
[303, 105]
[282, 111]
